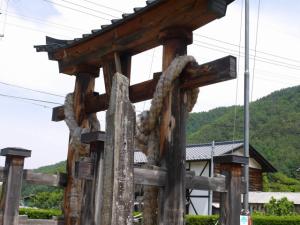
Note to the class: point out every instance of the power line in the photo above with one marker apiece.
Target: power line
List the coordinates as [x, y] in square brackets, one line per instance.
[4, 20]
[235, 45]
[58, 25]
[29, 99]
[237, 80]
[34, 90]
[262, 58]
[230, 51]
[256, 40]
[36, 30]
[104, 6]
[94, 10]
[77, 10]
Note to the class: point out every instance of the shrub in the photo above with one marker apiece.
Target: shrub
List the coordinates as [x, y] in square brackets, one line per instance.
[40, 213]
[281, 207]
[47, 200]
[257, 220]
[201, 220]
[276, 220]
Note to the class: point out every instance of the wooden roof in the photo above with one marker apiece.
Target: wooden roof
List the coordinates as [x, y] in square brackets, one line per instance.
[132, 34]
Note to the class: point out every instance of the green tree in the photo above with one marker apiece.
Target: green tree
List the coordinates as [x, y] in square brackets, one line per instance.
[47, 200]
[281, 207]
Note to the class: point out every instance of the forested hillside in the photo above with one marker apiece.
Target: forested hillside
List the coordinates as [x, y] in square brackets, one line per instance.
[274, 132]
[274, 127]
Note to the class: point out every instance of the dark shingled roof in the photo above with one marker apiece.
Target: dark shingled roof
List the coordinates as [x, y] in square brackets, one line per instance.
[53, 44]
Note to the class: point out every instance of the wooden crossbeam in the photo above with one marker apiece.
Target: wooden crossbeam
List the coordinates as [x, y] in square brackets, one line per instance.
[141, 176]
[193, 76]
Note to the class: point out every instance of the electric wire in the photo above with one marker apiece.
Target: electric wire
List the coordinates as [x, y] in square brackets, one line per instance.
[271, 61]
[104, 6]
[29, 99]
[76, 10]
[150, 72]
[4, 20]
[37, 30]
[237, 79]
[256, 40]
[236, 45]
[230, 51]
[84, 7]
[35, 19]
[30, 89]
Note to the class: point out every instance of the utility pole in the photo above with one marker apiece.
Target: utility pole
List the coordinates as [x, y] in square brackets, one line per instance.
[246, 106]
[211, 169]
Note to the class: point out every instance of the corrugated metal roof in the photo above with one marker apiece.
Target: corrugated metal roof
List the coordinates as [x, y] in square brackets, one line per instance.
[264, 197]
[199, 151]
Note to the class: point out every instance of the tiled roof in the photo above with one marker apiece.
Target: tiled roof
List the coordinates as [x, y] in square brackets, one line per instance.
[199, 151]
[53, 44]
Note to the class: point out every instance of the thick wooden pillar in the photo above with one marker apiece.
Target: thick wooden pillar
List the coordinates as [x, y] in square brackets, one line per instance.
[230, 205]
[11, 187]
[74, 191]
[172, 131]
[118, 196]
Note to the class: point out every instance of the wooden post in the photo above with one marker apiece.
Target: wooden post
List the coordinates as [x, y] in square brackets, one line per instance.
[74, 191]
[172, 130]
[92, 210]
[230, 205]
[11, 187]
[118, 196]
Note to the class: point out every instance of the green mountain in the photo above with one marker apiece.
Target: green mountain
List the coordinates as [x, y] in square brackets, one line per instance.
[274, 127]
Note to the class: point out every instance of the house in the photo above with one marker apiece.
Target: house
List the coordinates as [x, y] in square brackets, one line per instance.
[257, 200]
[198, 159]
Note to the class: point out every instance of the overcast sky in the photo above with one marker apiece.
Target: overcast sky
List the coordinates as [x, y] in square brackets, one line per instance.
[25, 23]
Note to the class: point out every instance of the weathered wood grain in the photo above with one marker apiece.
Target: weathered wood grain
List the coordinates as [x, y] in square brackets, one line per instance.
[193, 76]
[11, 187]
[230, 204]
[76, 191]
[118, 196]
[172, 132]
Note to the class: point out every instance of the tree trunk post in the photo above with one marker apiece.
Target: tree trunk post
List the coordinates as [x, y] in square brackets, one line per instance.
[172, 130]
[230, 205]
[11, 187]
[74, 191]
[118, 186]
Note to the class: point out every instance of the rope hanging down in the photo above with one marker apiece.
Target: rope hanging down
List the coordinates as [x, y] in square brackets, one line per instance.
[147, 121]
[75, 129]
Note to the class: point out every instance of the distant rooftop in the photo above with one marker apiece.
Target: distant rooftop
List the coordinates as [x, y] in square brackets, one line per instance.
[202, 152]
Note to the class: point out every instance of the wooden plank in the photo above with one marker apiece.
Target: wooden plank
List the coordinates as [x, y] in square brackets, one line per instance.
[93, 137]
[193, 76]
[136, 34]
[118, 156]
[141, 176]
[54, 180]
[11, 187]
[31, 177]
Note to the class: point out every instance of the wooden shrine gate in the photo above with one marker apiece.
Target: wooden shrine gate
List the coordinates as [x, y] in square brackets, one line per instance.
[99, 184]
